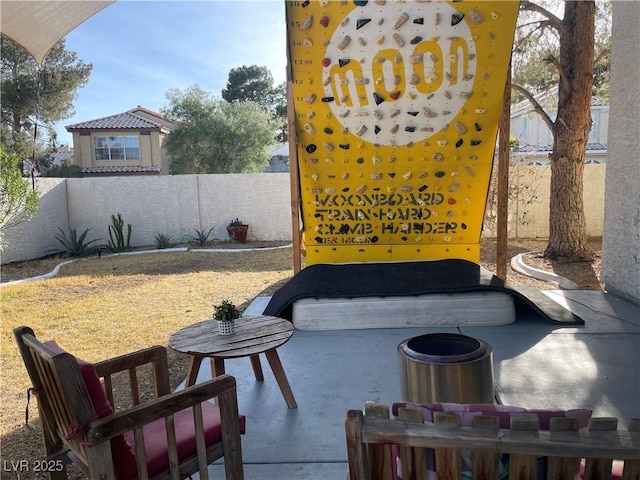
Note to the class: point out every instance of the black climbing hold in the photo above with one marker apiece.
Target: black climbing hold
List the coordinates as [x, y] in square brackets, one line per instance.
[392, 175]
[439, 174]
[413, 114]
[374, 239]
[318, 239]
[377, 129]
[404, 239]
[477, 127]
[415, 40]
[344, 229]
[475, 142]
[464, 226]
[360, 3]
[459, 143]
[378, 98]
[423, 188]
[306, 3]
[310, 148]
[343, 61]
[360, 160]
[409, 128]
[328, 130]
[346, 189]
[456, 18]
[419, 21]
[327, 99]
[344, 146]
[361, 22]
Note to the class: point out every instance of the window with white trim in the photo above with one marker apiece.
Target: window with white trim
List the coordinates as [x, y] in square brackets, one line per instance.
[125, 147]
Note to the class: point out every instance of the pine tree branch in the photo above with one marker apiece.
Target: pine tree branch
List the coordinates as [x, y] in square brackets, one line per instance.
[554, 21]
[536, 106]
[556, 63]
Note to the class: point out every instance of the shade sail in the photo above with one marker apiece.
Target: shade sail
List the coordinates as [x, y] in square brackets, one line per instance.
[38, 25]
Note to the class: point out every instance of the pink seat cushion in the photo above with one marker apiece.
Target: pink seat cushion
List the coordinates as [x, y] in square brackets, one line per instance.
[155, 436]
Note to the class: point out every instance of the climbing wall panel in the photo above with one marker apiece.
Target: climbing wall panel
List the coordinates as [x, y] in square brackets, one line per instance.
[396, 108]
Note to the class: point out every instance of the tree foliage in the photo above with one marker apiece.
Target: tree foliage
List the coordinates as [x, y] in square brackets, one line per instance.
[255, 83]
[29, 92]
[215, 136]
[567, 46]
[537, 44]
[18, 200]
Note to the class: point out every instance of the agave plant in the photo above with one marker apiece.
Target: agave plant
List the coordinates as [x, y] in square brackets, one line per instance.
[202, 236]
[75, 246]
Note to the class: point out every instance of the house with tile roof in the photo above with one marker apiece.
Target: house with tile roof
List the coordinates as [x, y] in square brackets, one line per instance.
[125, 144]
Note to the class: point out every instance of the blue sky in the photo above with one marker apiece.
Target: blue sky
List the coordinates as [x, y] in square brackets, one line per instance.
[142, 49]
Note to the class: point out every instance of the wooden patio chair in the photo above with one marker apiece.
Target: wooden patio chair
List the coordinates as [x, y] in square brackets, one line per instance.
[173, 435]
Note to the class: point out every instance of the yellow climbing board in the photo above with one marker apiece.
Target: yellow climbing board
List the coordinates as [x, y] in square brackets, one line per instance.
[396, 109]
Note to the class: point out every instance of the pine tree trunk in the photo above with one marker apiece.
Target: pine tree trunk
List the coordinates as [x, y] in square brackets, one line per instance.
[567, 227]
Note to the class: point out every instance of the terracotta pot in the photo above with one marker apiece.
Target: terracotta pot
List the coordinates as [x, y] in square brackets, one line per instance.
[239, 233]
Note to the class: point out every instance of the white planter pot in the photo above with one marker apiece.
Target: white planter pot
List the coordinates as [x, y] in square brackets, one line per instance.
[226, 328]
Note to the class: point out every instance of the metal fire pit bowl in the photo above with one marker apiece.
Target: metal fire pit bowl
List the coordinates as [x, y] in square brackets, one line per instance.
[446, 367]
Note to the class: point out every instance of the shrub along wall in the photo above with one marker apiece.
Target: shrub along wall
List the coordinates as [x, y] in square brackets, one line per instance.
[176, 205]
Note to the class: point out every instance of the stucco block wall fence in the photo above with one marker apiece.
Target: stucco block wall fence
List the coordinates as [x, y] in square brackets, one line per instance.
[173, 205]
[178, 204]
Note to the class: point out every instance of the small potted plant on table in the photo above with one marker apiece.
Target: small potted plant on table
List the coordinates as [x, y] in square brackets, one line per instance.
[237, 230]
[226, 314]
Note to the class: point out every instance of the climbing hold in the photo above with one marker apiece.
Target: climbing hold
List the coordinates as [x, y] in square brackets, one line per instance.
[362, 41]
[429, 113]
[361, 22]
[324, 21]
[306, 25]
[413, 114]
[378, 98]
[475, 17]
[439, 174]
[376, 129]
[438, 157]
[477, 127]
[456, 18]
[395, 95]
[343, 61]
[418, 21]
[310, 98]
[415, 40]
[360, 3]
[361, 130]
[328, 99]
[475, 142]
[325, 63]
[459, 143]
[342, 44]
[398, 39]
[414, 79]
[400, 21]
[344, 146]
[328, 130]
[410, 128]
[311, 148]
[415, 59]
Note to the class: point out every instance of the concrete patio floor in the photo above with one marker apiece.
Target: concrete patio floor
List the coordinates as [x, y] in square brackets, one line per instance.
[536, 365]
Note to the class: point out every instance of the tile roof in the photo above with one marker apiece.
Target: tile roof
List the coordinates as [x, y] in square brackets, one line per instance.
[123, 169]
[126, 120]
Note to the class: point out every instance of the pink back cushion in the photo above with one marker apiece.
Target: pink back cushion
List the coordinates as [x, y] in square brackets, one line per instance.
[124, 458]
